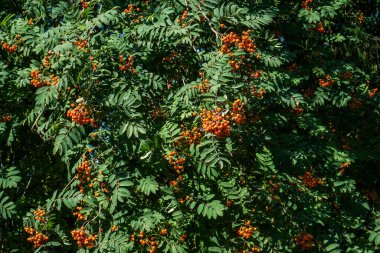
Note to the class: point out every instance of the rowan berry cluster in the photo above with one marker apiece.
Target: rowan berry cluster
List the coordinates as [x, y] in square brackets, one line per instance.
[243, 42]
[130, 9]
[215, 122]
[298, 110]
[327, 81]
[343, 168]
[189, 137]
[258, 94]
[150, 242]
[84, 4]
[183, 238]
[304, 241]
[373, 92]
[203, 86]
[310, 181]
[320, 27]
[79, 215]
[36, 79]
[127, 65]
[305, 4]
[39, 215]
[83, 174]
[163, 231]
[82, 239]
[9, 48]
[246, 230]
[81, 43]
[176, 160]
[80, 114]
[35, 237]
[7, 118]
[46, 60]
[170, 57]
[183, 18]
[361, 17]
[238, 112]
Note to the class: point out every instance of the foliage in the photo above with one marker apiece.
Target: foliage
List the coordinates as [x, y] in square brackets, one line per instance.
[189, 126]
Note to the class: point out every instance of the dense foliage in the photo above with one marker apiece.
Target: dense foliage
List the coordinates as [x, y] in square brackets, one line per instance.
[189, 126]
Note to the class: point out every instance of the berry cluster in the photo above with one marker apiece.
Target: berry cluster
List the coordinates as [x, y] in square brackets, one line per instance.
[215, 122]
[39, 215]
[176, 160]
[246, 230]
[310, 181]
[151, 242]
[343, 167]
[80, 114]
[183, 238]
[258, 94]
[83, 174]
[130, 9]
[189, 137]
[243, 42]
[304, 241]
[81, 43]
[238, 112]
[182, 19]
[373, 92]
[320, 28]
[361, 17]
[36, 80]
[326, 82]
[9, 48]
[203, 86]
[82, 239]
[305, 4]
[84, 4]
[170, 57]
[7, 118]
[35, 237]
[79, 215]
[127, 65]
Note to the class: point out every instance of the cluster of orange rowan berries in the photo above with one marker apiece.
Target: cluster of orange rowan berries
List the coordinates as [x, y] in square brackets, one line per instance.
[7, 118]
[145, 241]
[83, 174]
[320, 28]
[305, 4]
[305, 241]
[103, 185]
[127, 65]
[373, 92]
[82, 239]
[246, 230]
[35, 237]
[361, 17]
[84, 4]
[182, 200]
[346, 75]
[327, 81]
[189, 137]
[9, 48]
[310, 181]
[243, 42]
[39, 215]
[79, 215]
[175, 183]
[215, 122]
[80, 114]
[343, 167]
[176, 160]
[238, 112]
[183, 238]
[258, 94]
[170, 57]
[80, 43]
[298, 110]
[36, 80]
[182, 19]
[254, 249]
[130, 9]
[203, 86]
[164, 231]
